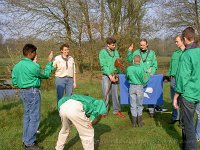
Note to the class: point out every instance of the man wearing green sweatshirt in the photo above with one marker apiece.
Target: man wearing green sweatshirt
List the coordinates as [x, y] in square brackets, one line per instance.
[174, 63]
[83, 112]
[27, 76]
[107, 58]
[137, 78]
[187, 87]
[148, 62]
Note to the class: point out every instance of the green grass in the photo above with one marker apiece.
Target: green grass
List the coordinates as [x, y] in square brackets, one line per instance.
[111, 133]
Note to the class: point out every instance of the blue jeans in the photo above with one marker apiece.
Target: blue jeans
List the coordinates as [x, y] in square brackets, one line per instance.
[136, 93]
[197, 125]
[31, 118]
[187, 122]
[175, 112]
[114, 91]
[64, 84]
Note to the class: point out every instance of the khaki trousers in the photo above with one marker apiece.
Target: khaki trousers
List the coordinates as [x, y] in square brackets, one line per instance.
[72, 111]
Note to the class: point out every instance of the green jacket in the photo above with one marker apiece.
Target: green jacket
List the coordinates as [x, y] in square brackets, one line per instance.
[146, 62]
[27, 73]
[188, 75]
[91, 106]
[174, 63]
[107, 59]
[135, 74]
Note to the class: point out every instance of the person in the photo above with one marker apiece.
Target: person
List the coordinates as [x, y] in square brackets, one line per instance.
[148, 61]
[136, 77]
[27, 76]
[65, 72]
[83, 112]
[174, 63]
[187, 88]
[107, 58]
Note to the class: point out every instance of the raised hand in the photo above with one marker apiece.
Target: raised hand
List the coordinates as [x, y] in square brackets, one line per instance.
[50, 57]
[131, 47]
[35, 59]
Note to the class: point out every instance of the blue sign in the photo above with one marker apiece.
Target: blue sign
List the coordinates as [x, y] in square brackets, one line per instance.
[153, 91]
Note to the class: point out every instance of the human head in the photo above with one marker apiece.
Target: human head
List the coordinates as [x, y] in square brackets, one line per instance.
[179, 41]
[143, 44]
[137, 59]
[188, 35]
[64, 49]
[111, 43]
[29, 51]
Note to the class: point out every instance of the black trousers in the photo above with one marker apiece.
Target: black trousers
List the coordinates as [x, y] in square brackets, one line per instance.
[189, 141]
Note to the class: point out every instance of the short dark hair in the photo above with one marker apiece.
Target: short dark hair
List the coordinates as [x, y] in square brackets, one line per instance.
[110, 40]
[64, 45]
[29, 48]
[189, 33]
[144, 40]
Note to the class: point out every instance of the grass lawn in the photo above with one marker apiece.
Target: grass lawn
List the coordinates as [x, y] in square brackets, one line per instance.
[111, 133]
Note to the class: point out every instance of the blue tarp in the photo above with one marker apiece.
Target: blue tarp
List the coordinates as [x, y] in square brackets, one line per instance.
[153, 91]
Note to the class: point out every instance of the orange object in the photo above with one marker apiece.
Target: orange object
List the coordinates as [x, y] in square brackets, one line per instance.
[118, 63]
[119, 113]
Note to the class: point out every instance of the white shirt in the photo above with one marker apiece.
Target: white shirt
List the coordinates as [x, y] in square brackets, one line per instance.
[61, 70]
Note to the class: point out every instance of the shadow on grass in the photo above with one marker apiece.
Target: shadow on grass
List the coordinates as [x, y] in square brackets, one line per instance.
[99, 129]
[10, 105]
[163, 119]
[49, 125]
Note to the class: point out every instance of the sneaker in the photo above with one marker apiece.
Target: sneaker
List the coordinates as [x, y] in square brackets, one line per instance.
[119, 113]
[33, 147]
[158, 109]
[173, 121]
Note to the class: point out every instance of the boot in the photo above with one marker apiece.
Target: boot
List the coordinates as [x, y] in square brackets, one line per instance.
[139, 119]
[134, 121]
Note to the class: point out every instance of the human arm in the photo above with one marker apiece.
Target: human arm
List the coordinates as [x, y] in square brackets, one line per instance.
[175, 100]
[14, 82]
[129, 55]
[106, 64]
[154, 65]
[183, 73]
[45, 74]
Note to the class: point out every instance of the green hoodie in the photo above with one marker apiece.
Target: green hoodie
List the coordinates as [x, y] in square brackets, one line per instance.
[174, 63]
[91, 106]
[107, 59]
[188, 75]
[27, 73]
[146, 62]
[135, 74]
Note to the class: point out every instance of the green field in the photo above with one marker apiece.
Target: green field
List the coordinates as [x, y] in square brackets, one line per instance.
[111, 133]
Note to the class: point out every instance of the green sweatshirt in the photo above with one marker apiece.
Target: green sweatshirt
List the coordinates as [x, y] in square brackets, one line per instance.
[27, 73]
[135, 74]
[150, 62]
[174, 63]
[91, 106]
[188, 75]
[107, 59]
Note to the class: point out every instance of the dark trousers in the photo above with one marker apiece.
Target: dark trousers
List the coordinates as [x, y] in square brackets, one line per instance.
[187, 122]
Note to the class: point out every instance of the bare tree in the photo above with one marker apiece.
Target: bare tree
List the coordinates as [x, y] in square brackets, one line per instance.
[182, 13]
